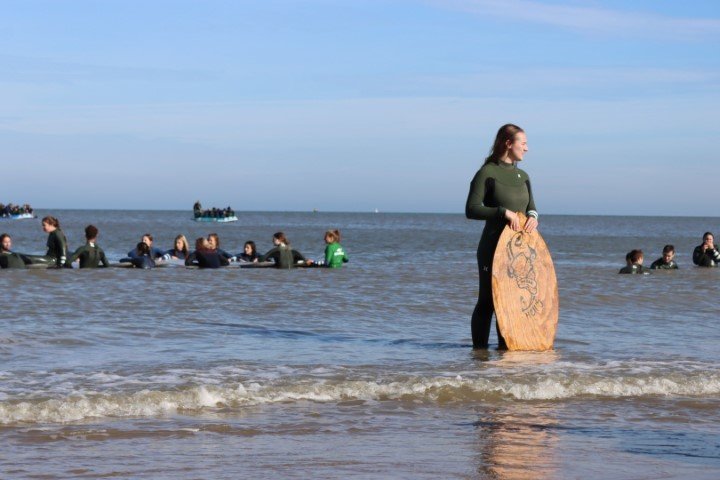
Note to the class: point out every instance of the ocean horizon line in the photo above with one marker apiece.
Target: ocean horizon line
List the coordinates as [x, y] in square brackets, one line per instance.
[376, 211]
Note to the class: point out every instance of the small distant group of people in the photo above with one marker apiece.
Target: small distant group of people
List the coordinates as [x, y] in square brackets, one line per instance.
[12, 209]
[704, 255]
[207, 252]
[213, 212]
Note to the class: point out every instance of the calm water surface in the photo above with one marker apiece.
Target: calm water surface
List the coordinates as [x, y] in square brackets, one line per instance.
[362, 372]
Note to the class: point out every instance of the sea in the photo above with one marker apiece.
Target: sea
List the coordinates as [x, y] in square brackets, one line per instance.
[362, 372]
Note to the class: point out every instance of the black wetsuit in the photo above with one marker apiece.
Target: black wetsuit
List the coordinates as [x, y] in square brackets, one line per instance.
[154, 251]
[139, 261]
[495, 189]
[224, 254]
[660, 264]
[247, 258]
[13, 260]
[57, 248]
[90, 255]
[207, 259]
[283, 256]
[707, 258]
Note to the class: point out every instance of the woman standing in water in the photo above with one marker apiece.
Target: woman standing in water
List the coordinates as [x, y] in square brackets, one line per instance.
[498, 190]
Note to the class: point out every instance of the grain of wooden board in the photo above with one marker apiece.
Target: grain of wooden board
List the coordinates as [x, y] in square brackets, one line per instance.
[525, 290]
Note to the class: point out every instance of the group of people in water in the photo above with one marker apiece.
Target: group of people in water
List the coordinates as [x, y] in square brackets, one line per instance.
[206, 254]
[704, 255]
[13, 209]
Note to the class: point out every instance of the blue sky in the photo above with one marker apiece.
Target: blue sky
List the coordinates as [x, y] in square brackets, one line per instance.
[348, 105]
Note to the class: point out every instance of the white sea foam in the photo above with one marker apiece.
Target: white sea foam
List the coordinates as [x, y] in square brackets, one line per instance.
[457, 389]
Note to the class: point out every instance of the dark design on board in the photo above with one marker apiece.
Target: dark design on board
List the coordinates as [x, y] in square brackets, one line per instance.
[521, 267]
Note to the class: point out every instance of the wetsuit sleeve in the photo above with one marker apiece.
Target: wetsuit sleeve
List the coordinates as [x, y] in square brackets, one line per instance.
[475, 208]
[269, 255]
[530, 211]
[297, 256]
[75, 256]
[103, 258]
[224, 261]
[698, 254]
[191, 259]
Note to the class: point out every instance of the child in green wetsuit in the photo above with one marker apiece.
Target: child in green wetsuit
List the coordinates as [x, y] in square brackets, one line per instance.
[335, 255]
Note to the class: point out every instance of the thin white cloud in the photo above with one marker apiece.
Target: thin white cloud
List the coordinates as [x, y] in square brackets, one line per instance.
[591, 19]
[587, 82]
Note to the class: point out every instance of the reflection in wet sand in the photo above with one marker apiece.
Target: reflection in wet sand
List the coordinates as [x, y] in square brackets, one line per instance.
[518, 441]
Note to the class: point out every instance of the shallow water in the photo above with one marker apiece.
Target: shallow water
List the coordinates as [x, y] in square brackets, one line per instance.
[361, 372]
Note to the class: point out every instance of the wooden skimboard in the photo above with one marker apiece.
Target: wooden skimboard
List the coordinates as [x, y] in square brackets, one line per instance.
[525, 290]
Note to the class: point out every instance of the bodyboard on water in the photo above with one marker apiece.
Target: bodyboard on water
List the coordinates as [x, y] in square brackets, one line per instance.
[525, 290]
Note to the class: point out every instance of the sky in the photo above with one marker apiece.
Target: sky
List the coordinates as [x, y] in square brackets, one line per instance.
[356, 105]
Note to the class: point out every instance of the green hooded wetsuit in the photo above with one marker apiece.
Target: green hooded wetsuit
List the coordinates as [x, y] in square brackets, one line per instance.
[335, 256]
[496, 188]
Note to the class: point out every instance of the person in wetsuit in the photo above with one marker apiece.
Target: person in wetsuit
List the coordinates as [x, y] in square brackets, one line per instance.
[706, 254]
[90, 254]
[335, 255]
[205, 256]
[181, 250]
[282, 254]
[634, 260]
[8, 258]
[249, 253]
[498, 190]
[214, 243]
[142, 257]
[667, 261]
[155, 252]
[56, 242]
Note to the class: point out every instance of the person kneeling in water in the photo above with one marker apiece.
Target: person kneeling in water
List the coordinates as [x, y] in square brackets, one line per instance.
[634, 258]
[249, 253]
[335, 256]
[706, 254]
[205, 256]
[8, 258]
[282, 254]
[666, 262]
[142, 257]
[90, 254]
